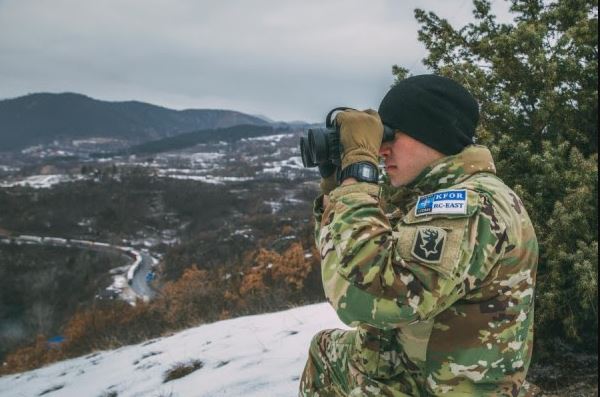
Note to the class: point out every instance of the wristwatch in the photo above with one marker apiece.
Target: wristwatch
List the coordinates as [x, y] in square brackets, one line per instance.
[362, 172]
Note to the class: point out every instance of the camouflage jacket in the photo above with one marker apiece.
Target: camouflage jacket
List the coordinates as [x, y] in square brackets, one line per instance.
[442, 297]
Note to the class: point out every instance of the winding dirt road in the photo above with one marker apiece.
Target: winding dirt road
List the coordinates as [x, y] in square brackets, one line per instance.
[142, 261]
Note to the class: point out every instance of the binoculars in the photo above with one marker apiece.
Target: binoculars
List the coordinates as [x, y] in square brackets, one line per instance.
[322, 146]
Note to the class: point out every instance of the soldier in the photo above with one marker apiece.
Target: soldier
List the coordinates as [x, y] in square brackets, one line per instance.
[440, 298]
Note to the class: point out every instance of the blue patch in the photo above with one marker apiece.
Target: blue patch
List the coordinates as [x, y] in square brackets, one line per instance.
[445, 202]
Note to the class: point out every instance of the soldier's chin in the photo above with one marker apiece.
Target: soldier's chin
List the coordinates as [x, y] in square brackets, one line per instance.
[399, 180]
[396, 181]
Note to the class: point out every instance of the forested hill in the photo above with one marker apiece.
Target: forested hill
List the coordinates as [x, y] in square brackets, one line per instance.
[188, 139]
[42, 118]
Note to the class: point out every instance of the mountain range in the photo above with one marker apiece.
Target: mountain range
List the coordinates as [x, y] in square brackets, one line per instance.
[44, 117]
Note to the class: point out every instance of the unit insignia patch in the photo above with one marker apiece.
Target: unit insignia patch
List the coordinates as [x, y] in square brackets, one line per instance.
[428, 245]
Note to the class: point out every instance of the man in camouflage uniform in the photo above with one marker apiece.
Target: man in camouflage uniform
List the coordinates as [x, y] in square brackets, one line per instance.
[440, 293]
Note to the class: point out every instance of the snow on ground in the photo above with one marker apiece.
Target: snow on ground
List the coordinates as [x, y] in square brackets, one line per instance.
[205, 159]
[275, 206]
[7, 168]
[42, 181]
[215, 180]
[269, 138]
[276, 166]
[258, 356]
[94, 141]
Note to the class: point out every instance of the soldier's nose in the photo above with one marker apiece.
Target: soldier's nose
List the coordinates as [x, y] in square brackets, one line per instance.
[384, 150]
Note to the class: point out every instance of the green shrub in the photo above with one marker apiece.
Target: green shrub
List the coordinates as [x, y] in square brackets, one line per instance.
[536, 81]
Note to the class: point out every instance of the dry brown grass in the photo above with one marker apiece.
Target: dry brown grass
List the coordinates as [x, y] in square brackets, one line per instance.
[181, 369]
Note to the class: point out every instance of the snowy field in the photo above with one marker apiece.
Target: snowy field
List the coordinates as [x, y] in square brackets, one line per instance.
[42, 181]
[258, 356]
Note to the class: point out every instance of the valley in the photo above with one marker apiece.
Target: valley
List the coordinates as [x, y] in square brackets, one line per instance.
[208, 205]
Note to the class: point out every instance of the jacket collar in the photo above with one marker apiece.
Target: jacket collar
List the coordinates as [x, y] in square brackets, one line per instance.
[444, 173]
[451, 170]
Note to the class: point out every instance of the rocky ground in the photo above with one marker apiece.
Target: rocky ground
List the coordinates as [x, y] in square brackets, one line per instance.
[573, 375]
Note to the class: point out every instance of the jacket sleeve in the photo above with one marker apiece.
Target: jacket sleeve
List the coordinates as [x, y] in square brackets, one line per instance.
[373, 274]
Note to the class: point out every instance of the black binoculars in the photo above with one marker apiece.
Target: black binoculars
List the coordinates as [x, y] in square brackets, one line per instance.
[322, 146]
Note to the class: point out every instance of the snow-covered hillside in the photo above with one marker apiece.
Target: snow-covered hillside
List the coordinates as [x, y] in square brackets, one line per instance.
[258, 356]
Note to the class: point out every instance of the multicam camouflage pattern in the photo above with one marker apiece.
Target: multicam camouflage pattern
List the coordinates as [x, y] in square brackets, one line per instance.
[462, 326]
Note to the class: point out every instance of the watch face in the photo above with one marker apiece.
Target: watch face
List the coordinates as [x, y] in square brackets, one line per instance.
[366, 172]
[361, 171]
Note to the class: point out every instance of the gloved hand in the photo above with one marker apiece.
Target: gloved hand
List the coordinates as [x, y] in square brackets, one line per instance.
[360, 136]
[328, 177]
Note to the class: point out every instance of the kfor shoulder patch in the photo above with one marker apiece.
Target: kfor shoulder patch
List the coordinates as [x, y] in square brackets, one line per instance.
[445, 202]
[428, 244]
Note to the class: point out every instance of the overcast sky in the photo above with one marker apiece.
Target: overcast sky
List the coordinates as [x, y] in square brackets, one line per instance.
[288, 60]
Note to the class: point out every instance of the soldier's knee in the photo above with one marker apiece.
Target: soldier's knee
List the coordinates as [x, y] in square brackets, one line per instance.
[331, 345]
[326, 370]
[316, 345]
[314, 376]
[317, 338]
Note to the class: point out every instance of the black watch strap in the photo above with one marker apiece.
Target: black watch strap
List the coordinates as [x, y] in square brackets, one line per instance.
[362, 172]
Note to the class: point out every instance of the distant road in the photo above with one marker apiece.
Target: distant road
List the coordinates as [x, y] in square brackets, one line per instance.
[138, 283]
[142, 261]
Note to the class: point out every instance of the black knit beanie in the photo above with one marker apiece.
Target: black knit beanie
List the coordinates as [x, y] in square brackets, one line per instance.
[434, 110]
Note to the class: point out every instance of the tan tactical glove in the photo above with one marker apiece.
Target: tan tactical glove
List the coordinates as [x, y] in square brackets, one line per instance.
[328, 184]
[328, 177]
[360, 136]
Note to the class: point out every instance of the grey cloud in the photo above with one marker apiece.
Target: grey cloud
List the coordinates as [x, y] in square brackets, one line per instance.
[284, 59]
